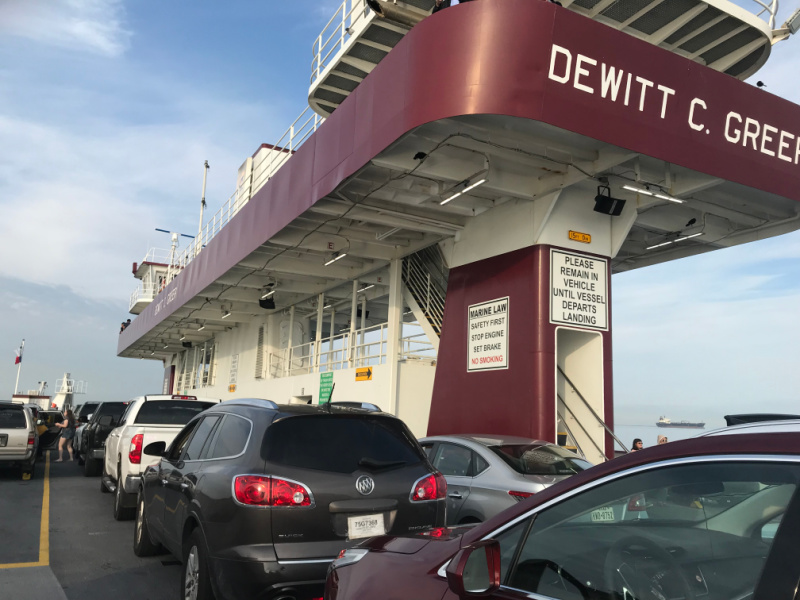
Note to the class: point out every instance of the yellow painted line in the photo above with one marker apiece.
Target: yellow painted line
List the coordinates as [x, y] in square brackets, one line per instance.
[44, 530]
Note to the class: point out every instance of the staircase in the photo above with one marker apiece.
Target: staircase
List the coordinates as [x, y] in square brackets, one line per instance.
[425, 277]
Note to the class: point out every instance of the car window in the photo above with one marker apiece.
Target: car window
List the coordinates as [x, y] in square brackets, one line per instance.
[480, 464]
[180, 441]
[170, 412]
[342, 443]
[231, 437]
[452, 459]
[124, 418]
[12, 418]
[114, 409]
[682, 531]
[540, 459]
[199, 439]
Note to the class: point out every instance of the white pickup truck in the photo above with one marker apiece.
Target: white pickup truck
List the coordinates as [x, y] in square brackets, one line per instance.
[155, 418]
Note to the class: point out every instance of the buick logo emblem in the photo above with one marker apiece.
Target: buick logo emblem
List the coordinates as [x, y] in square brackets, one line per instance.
[365, 485]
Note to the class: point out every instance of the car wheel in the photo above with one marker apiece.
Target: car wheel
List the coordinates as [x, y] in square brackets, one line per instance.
[91, 467]
[142, 544]
[121, 513]
[196, 579]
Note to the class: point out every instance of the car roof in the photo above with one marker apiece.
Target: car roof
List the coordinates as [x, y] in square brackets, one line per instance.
[746, 444]
[288, 410]
[755, 427]
[484, 440]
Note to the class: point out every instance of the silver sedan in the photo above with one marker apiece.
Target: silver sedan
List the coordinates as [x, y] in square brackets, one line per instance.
[486, 474]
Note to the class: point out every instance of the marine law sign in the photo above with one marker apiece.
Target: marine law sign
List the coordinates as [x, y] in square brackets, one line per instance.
[487, 336]
[578, 290]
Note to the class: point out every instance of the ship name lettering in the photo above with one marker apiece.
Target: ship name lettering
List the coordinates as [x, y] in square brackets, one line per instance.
[761, 137]
[611, 78]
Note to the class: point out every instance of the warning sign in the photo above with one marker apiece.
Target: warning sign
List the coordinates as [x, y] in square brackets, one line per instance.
[578, 290]
[487, 335]
[364, 374]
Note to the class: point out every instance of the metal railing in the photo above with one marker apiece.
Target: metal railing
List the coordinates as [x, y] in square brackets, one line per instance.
[145, 292]
[369, 348]
[341, 27]
[426, 287]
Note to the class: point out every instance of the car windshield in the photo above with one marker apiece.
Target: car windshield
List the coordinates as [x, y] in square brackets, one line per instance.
[539, 459]
[115, 409]
[12, 418]
[342, 443]
[170, 412]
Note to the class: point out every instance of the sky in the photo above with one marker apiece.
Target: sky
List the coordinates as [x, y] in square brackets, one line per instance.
[108, 109]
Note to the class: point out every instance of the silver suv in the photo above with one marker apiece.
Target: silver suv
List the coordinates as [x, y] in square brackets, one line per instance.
[18, 438]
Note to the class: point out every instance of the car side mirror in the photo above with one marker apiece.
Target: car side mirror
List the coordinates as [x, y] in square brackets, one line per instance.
[106, 421]
[155, 449]
[475, 571]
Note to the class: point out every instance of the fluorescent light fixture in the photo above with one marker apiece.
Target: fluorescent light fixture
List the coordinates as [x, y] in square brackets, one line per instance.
[680, 239]
[326, 306]
[474, 185]
[464, 191]
[638, 190]
[203, 326]
[152, 353]
[166, 346]
[366, 287]
[385, 234]
[453, 197]
[183, 337]
[226, 314]
[647, 192]
[670, 198]
[335, 258]
[268, 294]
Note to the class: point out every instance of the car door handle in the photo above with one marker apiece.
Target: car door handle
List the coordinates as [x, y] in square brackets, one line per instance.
[455, 495]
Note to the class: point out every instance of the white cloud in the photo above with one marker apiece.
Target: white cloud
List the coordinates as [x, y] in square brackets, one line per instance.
[90, 25]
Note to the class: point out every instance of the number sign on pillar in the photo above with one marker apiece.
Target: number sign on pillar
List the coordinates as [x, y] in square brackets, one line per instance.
[487, 336]
[578, 290]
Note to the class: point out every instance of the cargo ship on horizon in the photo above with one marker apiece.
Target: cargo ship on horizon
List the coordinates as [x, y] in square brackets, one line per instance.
[665, 422]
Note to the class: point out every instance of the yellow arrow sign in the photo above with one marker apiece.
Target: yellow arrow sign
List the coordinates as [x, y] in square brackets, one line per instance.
[364, 374]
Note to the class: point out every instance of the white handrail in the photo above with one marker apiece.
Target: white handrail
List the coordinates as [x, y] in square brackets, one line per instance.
[336, 32]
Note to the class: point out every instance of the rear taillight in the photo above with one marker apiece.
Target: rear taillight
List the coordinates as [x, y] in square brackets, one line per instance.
[519, 495]
[135, 453]
[430, 487]
[262, 490]
[31, 438]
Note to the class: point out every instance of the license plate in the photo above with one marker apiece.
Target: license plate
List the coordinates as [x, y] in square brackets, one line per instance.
[3, 440]
[365, 526]
[603, 514]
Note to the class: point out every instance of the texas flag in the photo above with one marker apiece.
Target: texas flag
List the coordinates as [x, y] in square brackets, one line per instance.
[19, 353]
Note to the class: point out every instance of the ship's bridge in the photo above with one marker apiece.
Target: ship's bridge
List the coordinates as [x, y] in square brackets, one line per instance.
[722, 35]
[515, 181]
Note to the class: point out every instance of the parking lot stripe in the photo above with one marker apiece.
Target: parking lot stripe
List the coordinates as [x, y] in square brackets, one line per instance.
[44, 530]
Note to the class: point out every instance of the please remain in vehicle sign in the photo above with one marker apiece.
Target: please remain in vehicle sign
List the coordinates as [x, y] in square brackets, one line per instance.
[578, 290]
[487, 335]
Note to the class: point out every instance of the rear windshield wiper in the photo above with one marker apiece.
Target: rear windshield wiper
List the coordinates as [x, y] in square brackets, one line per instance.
[380, 464]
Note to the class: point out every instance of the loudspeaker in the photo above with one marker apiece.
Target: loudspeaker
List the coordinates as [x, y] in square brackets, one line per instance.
[267, 303]
[358, 313]
[186, 344]
[608, 205]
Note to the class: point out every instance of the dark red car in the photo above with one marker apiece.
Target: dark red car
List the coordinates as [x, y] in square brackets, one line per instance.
[713, 518]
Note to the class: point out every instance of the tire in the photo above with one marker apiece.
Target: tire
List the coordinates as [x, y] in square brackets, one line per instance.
[195, 576]
[121, 513]
[91, 467]
[142, 544]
